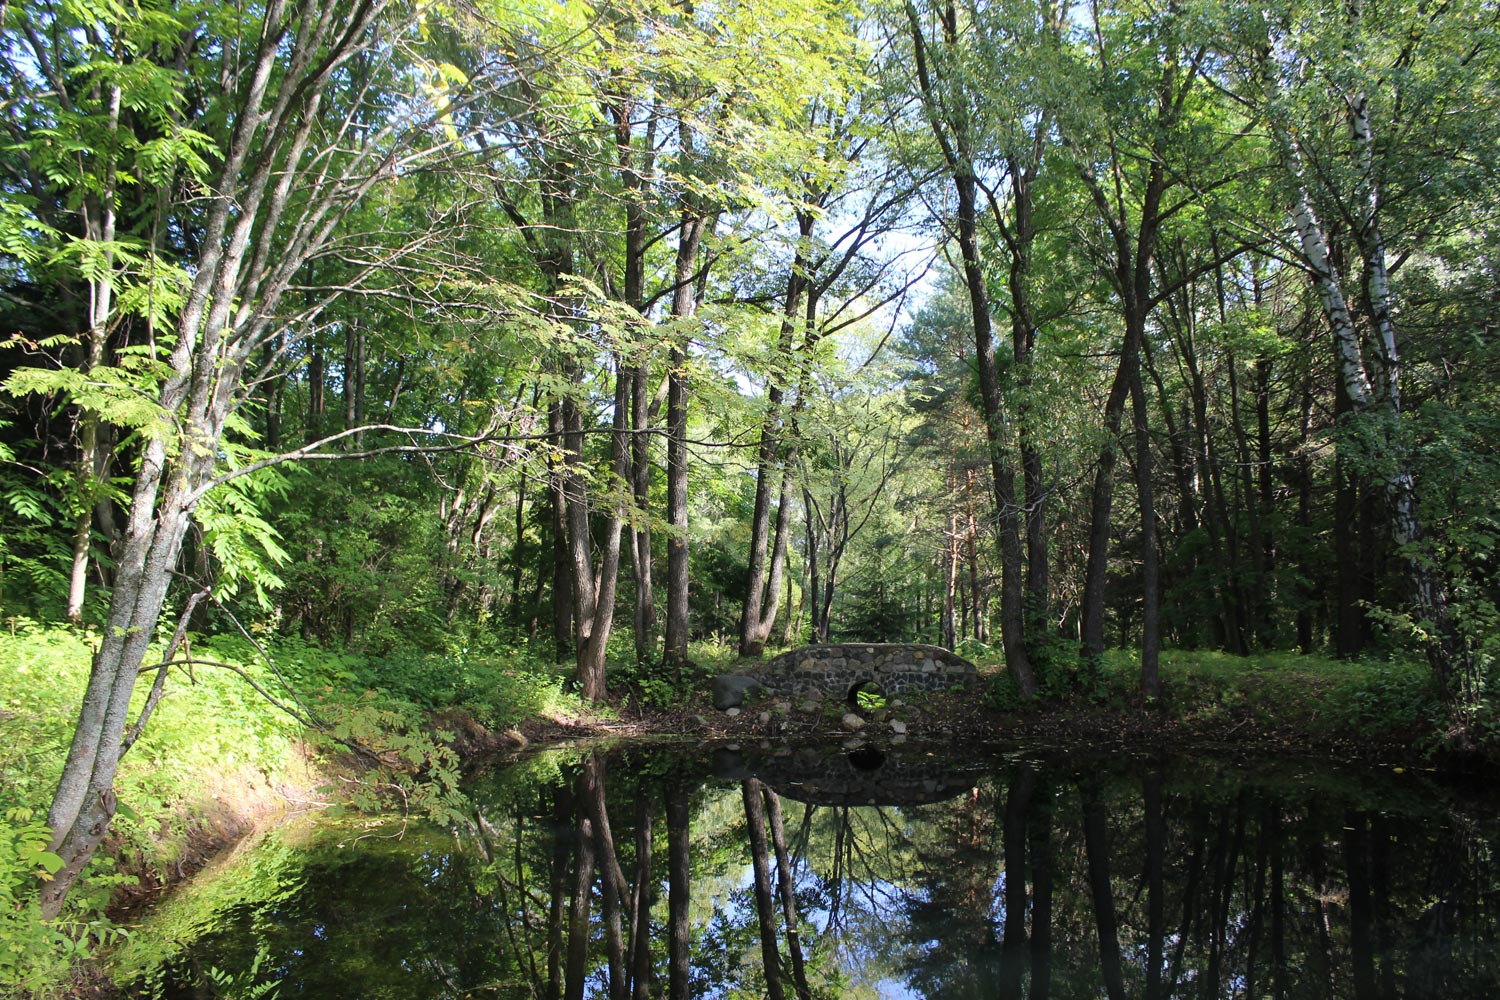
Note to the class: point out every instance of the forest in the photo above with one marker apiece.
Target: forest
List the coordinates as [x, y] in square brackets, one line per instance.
[437, 347]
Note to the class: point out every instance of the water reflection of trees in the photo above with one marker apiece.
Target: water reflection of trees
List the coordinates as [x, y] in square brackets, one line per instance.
[1039, 884]
[634, 878]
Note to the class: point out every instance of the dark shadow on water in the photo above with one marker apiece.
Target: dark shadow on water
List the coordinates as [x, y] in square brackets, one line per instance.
[866, 758]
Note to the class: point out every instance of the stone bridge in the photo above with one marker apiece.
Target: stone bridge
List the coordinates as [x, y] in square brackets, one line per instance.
[838, 670]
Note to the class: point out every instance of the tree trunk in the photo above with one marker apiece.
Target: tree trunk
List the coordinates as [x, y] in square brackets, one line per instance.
[1306, 590]
[640, 543]
[353, 349]
[684, 306]
[768, 461]
[84, 802]
[1012, 593]
[1150, 572]
[595, 584]
[635, 239]
[275, 396]
[755, 825]
[88, 471]
[563, 597]
[1101, 502]
[99, 224]
[1020, 239]
[315, 396]
[814, 582]
[679, 893]
[950, 581]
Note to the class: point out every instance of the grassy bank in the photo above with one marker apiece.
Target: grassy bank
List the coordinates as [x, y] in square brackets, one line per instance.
[1378, 701]
[1289, 701]
[219, 758]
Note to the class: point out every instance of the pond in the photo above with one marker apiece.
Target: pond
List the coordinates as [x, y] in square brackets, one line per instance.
[857, 871]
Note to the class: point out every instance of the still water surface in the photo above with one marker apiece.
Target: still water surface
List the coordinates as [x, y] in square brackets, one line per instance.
[825, 872]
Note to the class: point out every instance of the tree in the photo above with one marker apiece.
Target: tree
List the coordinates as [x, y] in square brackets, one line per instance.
[1388, 77]
[949, 87]
[1135, 150]
[297, 141]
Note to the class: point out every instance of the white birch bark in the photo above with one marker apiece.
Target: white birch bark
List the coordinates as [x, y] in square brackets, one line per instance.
[1371, 378]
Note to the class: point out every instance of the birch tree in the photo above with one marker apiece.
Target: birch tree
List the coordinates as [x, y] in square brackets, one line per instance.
[1381, 117]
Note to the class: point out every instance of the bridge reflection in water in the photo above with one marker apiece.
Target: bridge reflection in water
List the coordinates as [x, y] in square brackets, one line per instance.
[860, 773]
[875, 872]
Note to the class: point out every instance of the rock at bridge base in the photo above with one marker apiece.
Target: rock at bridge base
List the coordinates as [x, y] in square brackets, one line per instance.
[731, 690]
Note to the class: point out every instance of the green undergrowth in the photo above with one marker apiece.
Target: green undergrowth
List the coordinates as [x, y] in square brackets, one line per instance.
[1369, 702]
[655, 685]
[211, 738]
[217, 755]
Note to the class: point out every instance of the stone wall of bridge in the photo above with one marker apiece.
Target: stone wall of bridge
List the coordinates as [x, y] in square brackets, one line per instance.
[835, 670]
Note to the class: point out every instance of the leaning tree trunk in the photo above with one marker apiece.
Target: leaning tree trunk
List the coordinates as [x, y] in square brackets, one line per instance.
[254, 239]
[1370, 382]
[84, 802]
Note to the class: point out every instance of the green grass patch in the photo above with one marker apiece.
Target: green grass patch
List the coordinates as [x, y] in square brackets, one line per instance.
[1370, 701]
[1314, 694]
[499, 687]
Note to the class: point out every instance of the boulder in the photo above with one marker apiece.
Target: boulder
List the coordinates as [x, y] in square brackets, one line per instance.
[731, 690]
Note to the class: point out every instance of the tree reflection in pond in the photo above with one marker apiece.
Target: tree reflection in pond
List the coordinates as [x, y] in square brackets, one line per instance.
[644, 874]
